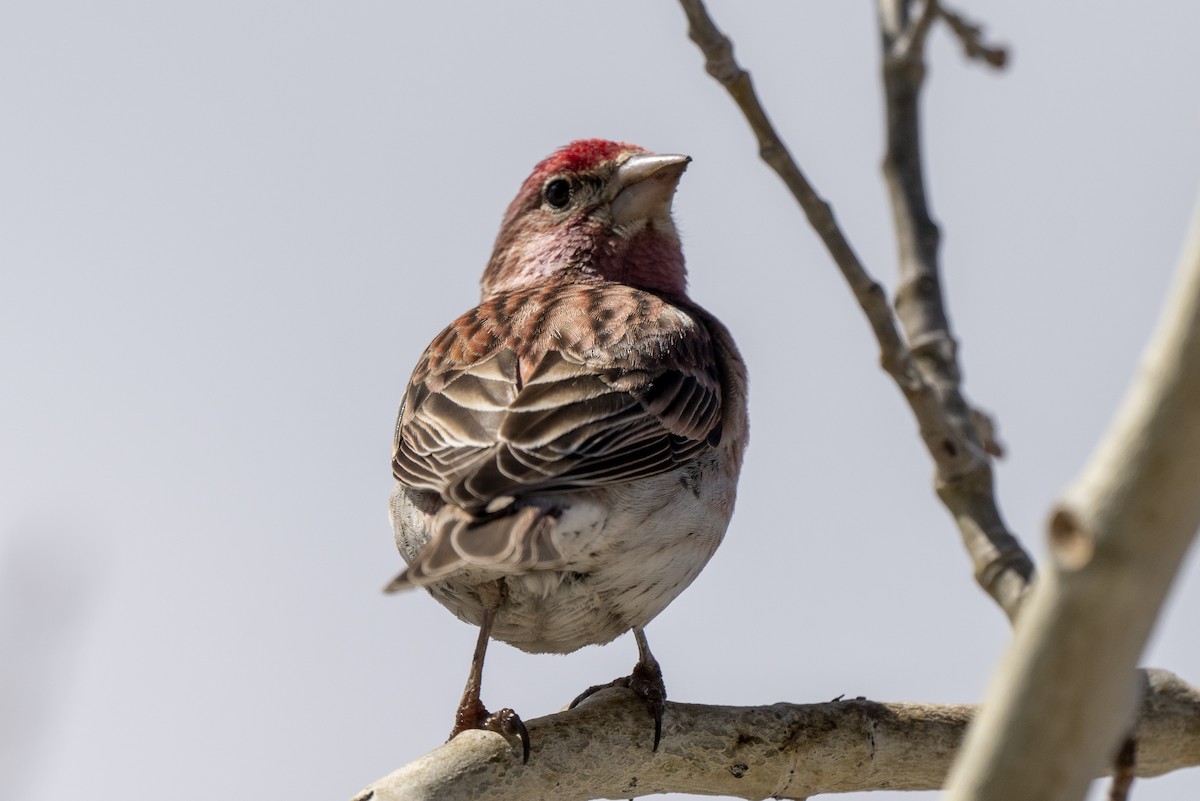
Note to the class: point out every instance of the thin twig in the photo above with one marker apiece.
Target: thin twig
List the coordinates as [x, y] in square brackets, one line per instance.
[964, 473]
[1002, 567]
[971, 36]
[718, 51]
[911, 41]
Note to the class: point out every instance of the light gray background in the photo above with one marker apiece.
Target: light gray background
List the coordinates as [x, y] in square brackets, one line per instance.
[228, 229]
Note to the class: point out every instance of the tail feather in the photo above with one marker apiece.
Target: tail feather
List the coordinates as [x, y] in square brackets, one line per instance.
[517, 542]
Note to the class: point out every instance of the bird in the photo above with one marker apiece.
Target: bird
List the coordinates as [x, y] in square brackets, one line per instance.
[566, 454]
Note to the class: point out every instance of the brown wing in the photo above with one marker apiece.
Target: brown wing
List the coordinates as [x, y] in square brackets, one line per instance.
[548, 389]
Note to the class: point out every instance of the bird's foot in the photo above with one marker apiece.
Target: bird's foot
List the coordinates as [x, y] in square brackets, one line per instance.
[473, 715]
[646, 680]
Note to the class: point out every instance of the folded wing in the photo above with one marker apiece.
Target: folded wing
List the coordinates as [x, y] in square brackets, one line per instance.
[556, 392]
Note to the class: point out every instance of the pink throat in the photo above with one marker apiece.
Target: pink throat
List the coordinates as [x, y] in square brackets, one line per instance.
[651, 260]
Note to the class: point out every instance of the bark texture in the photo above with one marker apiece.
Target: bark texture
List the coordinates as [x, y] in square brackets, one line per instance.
[602, 750]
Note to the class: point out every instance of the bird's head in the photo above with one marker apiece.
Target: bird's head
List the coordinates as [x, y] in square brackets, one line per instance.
[593, 210]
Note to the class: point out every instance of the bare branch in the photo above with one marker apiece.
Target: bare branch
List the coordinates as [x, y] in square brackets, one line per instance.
[910, 36]
[718, 52]
[602, 749]
[1116, 541]
[928, 374]
[971, 37]
[964, 474]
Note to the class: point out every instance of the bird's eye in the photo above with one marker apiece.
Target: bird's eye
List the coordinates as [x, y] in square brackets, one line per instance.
[558, 193]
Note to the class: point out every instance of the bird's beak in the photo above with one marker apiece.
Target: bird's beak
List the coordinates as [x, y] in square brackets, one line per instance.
[644, 185]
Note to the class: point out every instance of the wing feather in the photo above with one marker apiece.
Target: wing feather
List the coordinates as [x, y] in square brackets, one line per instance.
[530, 393]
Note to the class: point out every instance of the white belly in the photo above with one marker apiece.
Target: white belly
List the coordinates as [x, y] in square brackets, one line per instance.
[630, 550]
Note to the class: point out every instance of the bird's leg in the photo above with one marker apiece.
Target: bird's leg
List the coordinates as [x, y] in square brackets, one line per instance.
[646, 680]
[471, 712]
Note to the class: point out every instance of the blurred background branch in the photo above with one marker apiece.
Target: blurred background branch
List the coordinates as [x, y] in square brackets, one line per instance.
[1117, 539]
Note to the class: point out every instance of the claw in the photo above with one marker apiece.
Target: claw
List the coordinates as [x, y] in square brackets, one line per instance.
[506, 723]
[509, 724]
[595, 688]
[646, 680]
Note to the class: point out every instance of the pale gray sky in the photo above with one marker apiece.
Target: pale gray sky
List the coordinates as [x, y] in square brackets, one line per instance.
[228, 229]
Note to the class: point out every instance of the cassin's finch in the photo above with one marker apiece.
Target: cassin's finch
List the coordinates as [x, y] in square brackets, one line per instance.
[567, 453]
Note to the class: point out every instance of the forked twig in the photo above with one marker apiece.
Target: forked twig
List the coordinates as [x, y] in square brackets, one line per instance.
[971, 36]
[927, 371]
